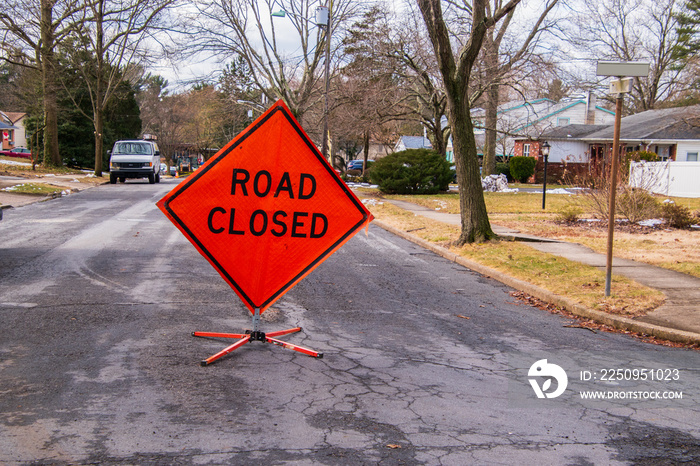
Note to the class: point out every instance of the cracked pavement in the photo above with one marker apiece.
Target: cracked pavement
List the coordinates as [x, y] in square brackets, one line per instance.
[424, 361]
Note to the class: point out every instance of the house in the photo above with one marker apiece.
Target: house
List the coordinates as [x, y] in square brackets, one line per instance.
[12, 127]
[530, 119]
[672, 133]
[412, 142]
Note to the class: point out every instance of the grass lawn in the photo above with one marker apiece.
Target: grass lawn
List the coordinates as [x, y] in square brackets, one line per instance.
[673, 249]
[34, 188]
[583, 284]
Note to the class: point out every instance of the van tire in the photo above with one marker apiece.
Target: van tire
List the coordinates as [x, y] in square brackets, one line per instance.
[151, 178]
[112, 179]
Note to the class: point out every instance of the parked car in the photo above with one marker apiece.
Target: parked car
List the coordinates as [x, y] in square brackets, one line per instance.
[134, 159]
[354, 165]
[357, 164]
[17, 152]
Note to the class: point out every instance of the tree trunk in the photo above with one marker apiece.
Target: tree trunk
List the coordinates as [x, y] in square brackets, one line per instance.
[475, 221]
[365, 150]
[99, 104]
[476, 227]
[491, 122]
[52, 157]
[491, 59]
[439, 134]
[99, 141]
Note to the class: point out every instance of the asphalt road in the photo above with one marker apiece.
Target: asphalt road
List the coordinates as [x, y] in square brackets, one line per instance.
[425, 362]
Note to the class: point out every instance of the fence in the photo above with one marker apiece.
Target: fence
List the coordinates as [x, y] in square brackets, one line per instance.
[679, 179]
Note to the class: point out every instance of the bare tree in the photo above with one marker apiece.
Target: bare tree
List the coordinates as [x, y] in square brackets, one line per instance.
[369, 89]
[31, 30]
[162, 114]
[110, 48]
[499, 61]
[412, 48]
[246, 28]
[205, 119]
[455, 70]
[635, 30]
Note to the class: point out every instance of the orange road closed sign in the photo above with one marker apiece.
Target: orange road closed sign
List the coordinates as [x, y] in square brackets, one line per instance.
[266, 209]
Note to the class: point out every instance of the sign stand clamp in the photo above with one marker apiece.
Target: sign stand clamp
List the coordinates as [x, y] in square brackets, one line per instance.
[254, 335]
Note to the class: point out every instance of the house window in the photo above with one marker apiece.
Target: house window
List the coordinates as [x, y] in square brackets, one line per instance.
[563, 121]
[526, 150]
[691, 157]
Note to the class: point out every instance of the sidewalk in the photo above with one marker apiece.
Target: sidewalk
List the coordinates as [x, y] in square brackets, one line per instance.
[678, 319]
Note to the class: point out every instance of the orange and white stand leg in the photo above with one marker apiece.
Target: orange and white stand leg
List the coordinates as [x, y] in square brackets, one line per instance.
[254, 335]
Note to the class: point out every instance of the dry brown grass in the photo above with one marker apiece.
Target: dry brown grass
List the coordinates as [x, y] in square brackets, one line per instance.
[673, 249]
[583, 284]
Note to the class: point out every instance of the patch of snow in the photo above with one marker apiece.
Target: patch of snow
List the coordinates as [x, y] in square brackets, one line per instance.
[12, 162]
[652, 222]
[13, 188]
[367, 201]
[558, 191]
[441, 204]
[361, 185]
[496, 184]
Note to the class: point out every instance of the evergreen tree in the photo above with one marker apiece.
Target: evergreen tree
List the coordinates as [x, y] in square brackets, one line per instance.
[688, 31]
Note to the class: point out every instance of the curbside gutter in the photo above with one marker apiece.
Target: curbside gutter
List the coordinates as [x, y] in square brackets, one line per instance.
[618, 322]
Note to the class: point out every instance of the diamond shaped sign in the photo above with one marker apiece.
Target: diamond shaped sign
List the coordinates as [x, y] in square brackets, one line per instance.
[266, 209]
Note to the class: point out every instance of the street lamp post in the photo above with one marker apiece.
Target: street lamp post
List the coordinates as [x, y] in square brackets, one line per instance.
[323, 18]
[545, 151]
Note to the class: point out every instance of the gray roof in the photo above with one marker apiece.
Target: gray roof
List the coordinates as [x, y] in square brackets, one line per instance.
[668, 123]
[571, 131]
[416, 142]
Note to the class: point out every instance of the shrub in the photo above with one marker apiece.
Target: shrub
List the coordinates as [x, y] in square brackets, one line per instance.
[636, 204]
[569, 213]
[504, 169]
[413, 171]
[677, 216]
[522, 168]
[637, 156]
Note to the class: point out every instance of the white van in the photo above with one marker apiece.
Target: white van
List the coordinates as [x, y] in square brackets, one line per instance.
[134, 159]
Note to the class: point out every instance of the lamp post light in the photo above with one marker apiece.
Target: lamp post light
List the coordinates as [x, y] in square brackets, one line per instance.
[323, 20]
[545, 151]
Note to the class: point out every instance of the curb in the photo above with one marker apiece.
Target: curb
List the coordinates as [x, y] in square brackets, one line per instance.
[618, 322]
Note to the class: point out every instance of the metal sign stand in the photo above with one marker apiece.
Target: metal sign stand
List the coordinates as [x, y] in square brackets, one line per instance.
[254, 335]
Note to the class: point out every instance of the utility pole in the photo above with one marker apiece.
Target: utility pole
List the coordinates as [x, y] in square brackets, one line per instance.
[323, 18]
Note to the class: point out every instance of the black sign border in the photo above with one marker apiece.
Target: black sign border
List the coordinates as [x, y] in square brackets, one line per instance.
[199, 173]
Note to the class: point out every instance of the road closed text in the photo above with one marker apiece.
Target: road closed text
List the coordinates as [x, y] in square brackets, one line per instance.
[297, 224]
